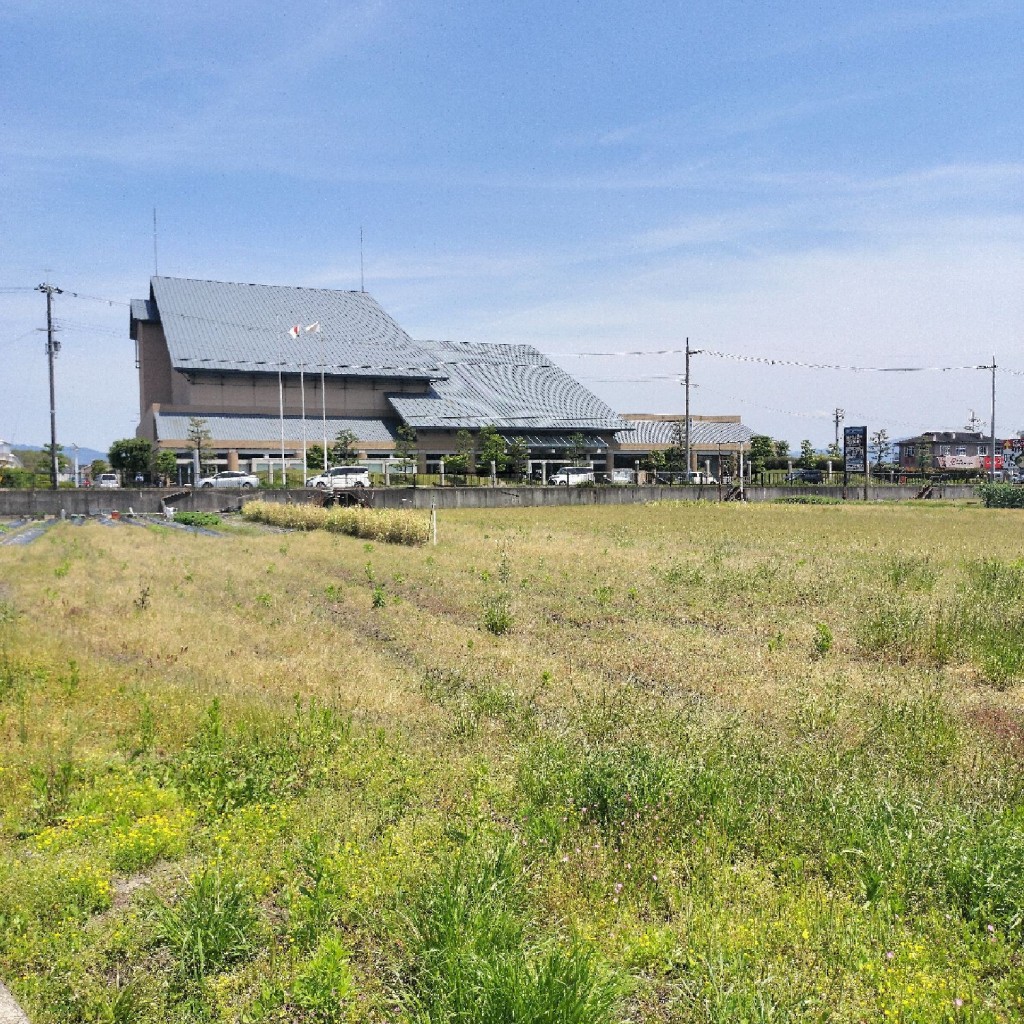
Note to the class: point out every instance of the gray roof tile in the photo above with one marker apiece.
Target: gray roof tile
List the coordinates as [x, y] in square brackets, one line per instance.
[702, 432]
[512, 387]
[217, 325]
[266, 430]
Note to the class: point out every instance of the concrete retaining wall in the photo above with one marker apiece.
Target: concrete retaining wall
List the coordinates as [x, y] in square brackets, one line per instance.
[96, 501]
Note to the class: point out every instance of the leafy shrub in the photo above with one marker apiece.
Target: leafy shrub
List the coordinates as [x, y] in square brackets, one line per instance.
[325, 985]
[821, 641]
[498, 613]
[1001, 495]
[198, 518]
[395, 526]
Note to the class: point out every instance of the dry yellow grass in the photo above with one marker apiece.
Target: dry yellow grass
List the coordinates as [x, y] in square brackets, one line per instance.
[527, 642]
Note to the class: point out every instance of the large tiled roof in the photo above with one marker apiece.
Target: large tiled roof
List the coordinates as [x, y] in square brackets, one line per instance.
[702, 432]
[216, 325]
[267, 429]
[511, 387]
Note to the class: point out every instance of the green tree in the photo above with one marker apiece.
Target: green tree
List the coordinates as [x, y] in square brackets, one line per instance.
[166, 463]
[782, 449]
[675, 456]
[200, 440]
[463, 462]
[808, 457]
[130, 456]
[577, 450]
[834, 451]
[654, 462]
[762, 448]
[517, 454]
[493, 449]
[880, 447]
[343, 451]
[405, 446]
[98, 466]
[315, 457]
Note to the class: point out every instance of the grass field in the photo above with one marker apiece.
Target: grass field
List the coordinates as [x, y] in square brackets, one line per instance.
[685, 763]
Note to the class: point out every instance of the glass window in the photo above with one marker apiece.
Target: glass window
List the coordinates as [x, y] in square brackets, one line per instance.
[943, 449]
[911, 450]
[983, 449]
[961, 449]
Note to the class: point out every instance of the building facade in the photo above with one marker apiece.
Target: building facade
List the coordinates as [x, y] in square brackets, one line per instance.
[271, 369]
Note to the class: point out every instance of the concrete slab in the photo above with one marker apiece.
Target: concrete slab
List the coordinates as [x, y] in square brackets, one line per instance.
[10, 1011]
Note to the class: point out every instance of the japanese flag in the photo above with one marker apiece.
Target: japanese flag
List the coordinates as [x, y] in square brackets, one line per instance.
[294, 331]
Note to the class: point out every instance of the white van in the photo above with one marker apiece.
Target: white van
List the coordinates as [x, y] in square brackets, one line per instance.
[107, 480]
[572, 476]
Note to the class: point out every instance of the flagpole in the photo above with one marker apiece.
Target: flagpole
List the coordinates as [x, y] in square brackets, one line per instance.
[280, 402]
[302, 392]
[323, 408]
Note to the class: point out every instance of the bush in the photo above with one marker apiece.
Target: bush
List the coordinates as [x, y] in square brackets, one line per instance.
[1001, 495]
[198, 518]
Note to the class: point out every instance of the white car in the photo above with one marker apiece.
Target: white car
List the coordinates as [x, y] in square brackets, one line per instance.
[230, 478]
[572, 476]
[107, 480]
[341, 478]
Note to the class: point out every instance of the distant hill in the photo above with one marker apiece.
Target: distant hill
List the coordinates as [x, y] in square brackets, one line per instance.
[85, 455]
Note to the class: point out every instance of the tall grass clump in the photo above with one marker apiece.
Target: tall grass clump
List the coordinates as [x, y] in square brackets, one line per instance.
[393, 526]
[221, 768]
[213, 924]
[475, 961]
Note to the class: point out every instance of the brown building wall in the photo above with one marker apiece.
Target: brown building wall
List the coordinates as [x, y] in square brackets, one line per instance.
[155, 373]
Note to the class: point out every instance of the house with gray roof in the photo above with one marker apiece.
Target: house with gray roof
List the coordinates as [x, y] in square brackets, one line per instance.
[714, 440]
[239, 357]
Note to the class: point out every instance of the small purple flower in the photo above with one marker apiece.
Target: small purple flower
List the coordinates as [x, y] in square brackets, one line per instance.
[618, 887]
[958, 1002]
[990, 928]
[890, 955]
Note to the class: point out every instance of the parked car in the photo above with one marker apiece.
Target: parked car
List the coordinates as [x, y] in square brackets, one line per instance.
[621, 476]
[230, 478]
[107, 480]
[341, 478]
[700, 478]
[804, 476]
[572, 476]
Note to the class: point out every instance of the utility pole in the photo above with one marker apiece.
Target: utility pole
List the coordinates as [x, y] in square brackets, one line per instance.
[686, 414]
[52, 348]
[838, 416]
[992, 472]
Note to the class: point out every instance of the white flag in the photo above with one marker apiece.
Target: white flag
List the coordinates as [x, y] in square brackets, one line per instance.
[314, 327]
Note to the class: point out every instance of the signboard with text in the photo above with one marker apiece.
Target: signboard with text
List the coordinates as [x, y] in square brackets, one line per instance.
[855, 449]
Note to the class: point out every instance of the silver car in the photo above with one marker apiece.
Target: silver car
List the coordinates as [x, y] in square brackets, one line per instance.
[230, 478]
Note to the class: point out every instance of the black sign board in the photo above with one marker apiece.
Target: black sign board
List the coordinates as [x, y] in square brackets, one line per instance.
[855, 449]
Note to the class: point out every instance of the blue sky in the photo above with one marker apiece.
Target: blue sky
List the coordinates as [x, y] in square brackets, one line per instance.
[798, 181]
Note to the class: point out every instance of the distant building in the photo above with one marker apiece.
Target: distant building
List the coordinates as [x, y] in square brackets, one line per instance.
[948, 450]
[8, 460]
[712, 438]
[228, 354]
